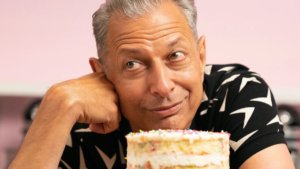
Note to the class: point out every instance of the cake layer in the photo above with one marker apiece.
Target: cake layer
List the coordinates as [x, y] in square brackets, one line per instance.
[175, 160]
[184, 146]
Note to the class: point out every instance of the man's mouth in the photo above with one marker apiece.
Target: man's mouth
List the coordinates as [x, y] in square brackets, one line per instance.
[166, 111]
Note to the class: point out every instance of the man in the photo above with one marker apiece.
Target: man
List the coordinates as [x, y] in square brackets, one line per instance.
[151, 74]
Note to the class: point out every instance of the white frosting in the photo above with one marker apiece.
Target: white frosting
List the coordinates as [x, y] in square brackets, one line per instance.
[176, 134]
[198, 160]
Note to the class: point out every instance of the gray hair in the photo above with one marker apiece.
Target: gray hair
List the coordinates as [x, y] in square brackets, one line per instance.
[135, 8]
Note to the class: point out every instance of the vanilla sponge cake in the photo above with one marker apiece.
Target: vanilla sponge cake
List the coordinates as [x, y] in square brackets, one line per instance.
[177, 149]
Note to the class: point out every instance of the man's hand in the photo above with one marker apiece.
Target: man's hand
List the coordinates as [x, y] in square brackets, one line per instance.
[89, 99]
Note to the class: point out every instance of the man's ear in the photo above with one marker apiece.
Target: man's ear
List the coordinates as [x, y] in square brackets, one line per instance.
[96, 65]
[202, 51]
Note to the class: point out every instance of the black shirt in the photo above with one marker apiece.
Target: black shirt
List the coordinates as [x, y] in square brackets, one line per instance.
[235, 100]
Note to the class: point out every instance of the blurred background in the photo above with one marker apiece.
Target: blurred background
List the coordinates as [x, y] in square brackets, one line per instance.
[45, 42]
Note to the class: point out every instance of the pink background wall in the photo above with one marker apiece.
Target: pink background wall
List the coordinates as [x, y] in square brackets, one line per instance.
[44, 42]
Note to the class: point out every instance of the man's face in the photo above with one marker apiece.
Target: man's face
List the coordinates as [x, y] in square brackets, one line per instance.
[156, 67]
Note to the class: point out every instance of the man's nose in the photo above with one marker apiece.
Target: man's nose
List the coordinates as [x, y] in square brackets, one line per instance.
[161, 81]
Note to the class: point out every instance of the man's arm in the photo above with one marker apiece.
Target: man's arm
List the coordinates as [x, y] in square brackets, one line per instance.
[89, 99]
[273, 157]
[45, 141]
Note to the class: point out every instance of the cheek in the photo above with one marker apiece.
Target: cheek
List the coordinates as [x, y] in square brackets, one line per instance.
[191, 79]
[130, 95]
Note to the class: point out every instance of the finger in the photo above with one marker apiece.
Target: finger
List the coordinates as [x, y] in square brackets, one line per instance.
[97, 128]
[104, 128]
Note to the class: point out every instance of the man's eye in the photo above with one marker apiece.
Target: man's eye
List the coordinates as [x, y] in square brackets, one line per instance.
[177, 56]
[132, 65]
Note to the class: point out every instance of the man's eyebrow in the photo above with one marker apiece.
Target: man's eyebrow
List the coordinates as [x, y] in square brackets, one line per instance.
[130, 51]
[135, 51]
[174, 41]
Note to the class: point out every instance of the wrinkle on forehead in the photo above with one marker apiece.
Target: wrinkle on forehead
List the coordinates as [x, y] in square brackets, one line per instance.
[146, 36]
[153, 33]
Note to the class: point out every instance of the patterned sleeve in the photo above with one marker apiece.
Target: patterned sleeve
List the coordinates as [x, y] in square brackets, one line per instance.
[86, 149]
[250, 116]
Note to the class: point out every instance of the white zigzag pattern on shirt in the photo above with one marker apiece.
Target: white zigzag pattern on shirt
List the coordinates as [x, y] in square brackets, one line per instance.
[248, 111]
[275, 120]
[109, 162]
[208, 69]
[236, 144]
[266, 100]
[230, 79]
[204, 97]
[246, 80]
[227, 69]
[223, 106]
[203, 112]
[86, 130]
[82, 164]
[65, 164]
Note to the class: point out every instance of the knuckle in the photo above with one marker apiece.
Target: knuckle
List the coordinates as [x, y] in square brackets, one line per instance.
[108, 118]
[111, 116]
[63, 93]
[114, 109]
